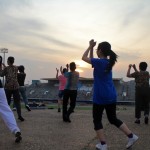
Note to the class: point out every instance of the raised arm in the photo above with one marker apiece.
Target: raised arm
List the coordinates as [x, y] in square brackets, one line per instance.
[61, 70]
[128, 72]
[134, 67]
[67, 66]
[91, 53]
[85, 56]
[57, 70]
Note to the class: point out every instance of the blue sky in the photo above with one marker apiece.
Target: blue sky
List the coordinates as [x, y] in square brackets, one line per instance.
[45, 34]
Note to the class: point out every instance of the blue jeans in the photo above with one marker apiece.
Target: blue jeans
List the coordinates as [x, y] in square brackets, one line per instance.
[22, 90]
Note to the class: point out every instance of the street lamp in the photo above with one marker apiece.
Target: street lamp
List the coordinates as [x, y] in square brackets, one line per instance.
[3, 50]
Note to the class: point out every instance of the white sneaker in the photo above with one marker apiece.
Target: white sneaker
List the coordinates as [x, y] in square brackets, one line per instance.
[99, 146]
[14, 109]
[131, 141]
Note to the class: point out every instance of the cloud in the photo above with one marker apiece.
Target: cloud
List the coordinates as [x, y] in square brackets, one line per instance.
[132, 14]
[52, 33]
[20, 24]
[56, 41]
[7, 5]
[19, 31]
[128, 56]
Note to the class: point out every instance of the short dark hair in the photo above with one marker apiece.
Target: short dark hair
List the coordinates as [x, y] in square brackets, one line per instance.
[21, 68]
[11, 59]
[143, 66]
[72, 66]
[64, 70]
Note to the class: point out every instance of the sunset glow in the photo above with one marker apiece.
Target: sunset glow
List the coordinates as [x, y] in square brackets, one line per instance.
[43, 35]
[82, 64]
[79, 70]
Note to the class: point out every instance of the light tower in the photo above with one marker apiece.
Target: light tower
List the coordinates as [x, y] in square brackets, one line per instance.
[3, 50]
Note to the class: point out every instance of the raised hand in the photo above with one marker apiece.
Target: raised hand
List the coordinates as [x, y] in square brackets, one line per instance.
[67, 66]
[61, 69]
[92, 43]
[130, 65]
[134, 67]
[57, 70]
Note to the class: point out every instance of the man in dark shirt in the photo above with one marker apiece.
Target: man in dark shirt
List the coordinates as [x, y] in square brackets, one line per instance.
[141, 90]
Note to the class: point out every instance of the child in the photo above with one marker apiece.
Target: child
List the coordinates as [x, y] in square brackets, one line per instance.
[70, 92]
[21, 75]
[104, 96]
[62, 82]
[141, 90]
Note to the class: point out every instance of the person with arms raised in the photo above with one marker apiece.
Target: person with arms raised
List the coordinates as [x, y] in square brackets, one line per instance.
[104, 96]
[7, 114]
[11, 84]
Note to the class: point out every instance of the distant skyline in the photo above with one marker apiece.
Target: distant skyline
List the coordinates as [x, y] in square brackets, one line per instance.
[42, 35]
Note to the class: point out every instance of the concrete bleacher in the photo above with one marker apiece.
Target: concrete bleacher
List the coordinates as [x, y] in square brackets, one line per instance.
[49, 92]
[42, 90]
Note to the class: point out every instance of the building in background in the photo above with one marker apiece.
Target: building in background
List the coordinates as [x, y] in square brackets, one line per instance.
[49, 90]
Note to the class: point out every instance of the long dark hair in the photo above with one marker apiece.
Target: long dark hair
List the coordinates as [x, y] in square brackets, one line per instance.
[105, 48]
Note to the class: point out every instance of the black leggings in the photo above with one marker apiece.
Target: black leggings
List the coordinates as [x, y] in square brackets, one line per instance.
[111, 115]
[16, 98]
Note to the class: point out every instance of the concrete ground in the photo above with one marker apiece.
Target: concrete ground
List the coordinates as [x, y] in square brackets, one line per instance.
[44, 130]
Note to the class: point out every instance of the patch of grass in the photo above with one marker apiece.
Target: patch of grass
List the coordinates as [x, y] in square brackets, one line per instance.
[77, 107]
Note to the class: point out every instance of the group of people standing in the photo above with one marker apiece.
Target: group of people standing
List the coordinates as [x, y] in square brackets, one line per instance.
[68, 85]
[14, 86]
[104, 92]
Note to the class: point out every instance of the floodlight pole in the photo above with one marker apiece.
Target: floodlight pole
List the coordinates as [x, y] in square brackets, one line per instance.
[3, 50]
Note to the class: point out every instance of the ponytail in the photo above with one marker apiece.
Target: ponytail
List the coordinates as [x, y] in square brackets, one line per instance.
[112, 60]
[105, 47]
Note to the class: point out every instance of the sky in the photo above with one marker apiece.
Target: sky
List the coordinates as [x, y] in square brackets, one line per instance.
[43, 35]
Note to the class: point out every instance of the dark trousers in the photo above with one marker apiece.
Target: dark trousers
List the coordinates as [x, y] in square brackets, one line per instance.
[111, 115]
[16, 98]
[72, 95]
[141, 101]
